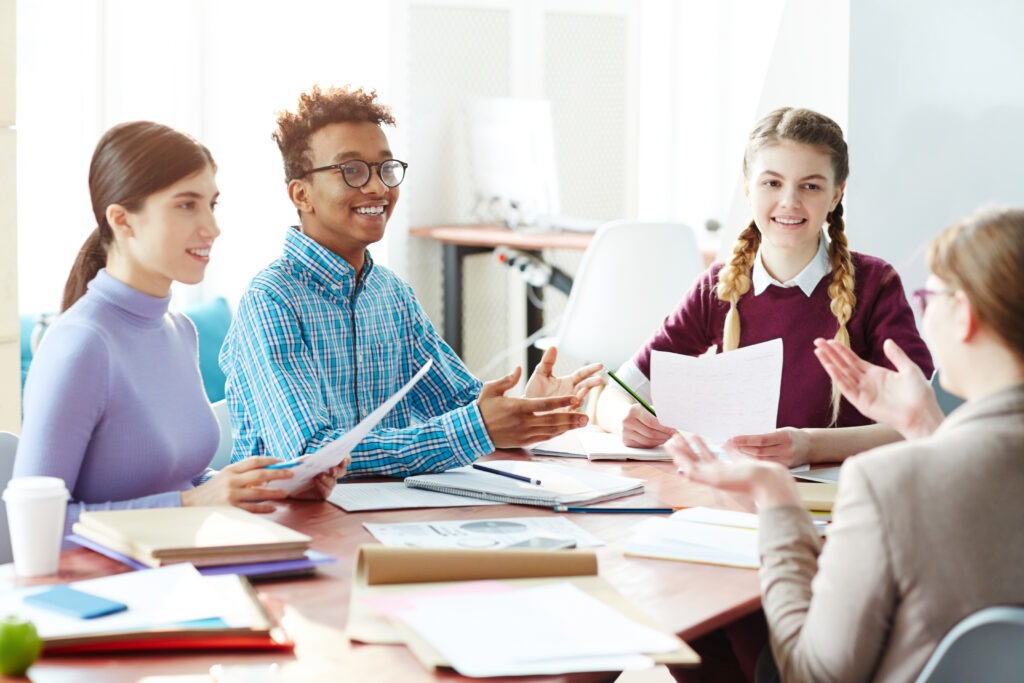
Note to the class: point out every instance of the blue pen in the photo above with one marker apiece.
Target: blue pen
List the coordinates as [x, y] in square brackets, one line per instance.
[284, 464]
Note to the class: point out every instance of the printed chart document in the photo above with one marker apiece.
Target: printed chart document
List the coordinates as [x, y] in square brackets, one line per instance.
[719, 396]
[395, 495]
[335, 452]
[560, 484]
[390, 584]
[479, 533]
[595, 444]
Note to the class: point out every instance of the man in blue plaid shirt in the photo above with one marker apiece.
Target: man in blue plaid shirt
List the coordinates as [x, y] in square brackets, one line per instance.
[323, 335]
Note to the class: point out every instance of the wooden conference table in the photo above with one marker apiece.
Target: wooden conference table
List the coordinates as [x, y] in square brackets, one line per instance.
[687, 599]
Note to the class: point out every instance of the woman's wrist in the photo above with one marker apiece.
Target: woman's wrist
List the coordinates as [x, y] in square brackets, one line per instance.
[774, 487]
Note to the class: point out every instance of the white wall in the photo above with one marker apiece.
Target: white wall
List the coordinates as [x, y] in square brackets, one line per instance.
[936, 120]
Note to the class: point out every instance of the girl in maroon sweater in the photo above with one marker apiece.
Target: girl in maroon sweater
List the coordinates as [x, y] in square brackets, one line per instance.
[787, 278]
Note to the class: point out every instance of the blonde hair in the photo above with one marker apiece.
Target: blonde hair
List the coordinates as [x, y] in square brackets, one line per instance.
[809, 128]
[981, 255]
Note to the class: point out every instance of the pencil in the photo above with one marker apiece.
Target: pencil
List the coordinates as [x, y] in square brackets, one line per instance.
[628, 511]
[632, 393]
[503, 473]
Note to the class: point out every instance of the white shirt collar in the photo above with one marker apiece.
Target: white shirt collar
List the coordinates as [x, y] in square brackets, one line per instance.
[807, 279]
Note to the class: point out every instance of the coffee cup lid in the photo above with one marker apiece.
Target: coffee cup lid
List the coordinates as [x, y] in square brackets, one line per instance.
[36, 487]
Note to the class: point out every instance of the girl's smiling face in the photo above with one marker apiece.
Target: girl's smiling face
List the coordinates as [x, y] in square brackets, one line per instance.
[791, 189]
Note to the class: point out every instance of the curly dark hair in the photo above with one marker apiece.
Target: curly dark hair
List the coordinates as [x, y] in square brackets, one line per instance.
[316, 109]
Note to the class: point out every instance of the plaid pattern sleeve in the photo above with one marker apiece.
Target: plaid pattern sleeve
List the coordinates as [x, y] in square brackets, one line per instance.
[312, 351]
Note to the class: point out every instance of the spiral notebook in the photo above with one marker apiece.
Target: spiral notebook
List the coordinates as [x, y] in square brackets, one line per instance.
[559, 484]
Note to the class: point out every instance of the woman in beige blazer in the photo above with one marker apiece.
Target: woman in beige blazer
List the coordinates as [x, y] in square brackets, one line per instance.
[926, 531]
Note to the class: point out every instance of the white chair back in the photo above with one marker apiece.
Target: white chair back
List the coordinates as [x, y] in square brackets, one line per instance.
[632, 275]
[8, 447]
[223, 455]
[986, 646]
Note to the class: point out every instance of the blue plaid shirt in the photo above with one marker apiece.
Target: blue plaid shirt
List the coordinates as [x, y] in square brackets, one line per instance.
[312, 350]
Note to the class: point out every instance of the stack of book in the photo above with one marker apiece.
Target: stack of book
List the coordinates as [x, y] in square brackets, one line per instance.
[169, 608]
[219, 539]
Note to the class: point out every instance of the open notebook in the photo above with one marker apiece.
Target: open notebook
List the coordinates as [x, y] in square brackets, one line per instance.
[595, 444]
[559, 484]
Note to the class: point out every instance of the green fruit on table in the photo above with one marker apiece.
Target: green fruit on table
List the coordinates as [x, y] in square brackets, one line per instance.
[20, 645]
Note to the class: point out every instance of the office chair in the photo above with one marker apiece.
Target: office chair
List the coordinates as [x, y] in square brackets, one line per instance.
[985, 646]
[223, 455]
[8, 447]
[632, 275]
[947, 402]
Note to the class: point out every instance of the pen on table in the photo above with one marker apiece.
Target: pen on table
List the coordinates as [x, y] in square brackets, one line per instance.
[634, 511]
[503, 473]
[632, 393]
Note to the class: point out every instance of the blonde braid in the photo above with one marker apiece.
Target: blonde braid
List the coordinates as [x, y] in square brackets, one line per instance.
[841, 290]
[734, 282]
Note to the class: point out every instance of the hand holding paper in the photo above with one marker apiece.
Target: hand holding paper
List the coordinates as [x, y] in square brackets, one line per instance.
[719, 396]
[340, 450]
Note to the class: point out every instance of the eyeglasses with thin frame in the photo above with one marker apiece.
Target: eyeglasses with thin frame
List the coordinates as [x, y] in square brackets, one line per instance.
[921, 297]
[356, 173]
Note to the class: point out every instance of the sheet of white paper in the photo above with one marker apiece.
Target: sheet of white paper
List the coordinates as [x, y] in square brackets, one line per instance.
[567, 445]
[695, 542]
[719, 396]
[597, 443]
[395, 495]
[335, 452]
[479, 533]
[550, 629]
[165, 595]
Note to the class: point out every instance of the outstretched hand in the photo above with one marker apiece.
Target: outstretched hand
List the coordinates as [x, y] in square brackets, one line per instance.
[543, 383]
[768, 483]
[902, 399]
[518, 422]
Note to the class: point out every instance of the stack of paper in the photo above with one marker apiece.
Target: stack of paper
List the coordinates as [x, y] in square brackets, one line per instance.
[496, 613]
[168, 608]
[559, 484]
[202, 536]
[596, 444]
[702, 535]
[699, 534]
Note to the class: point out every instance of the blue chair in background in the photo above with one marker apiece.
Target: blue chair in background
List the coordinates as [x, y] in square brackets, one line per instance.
[987, 646]
[211, 318]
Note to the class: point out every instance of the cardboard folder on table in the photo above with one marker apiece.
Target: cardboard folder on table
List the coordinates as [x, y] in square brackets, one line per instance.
[383, 572]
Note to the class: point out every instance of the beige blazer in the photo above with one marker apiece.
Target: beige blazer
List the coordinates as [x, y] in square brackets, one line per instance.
[925, 533]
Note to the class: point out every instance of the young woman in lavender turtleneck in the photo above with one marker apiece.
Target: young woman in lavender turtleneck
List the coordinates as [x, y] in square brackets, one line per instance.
[787, 278]
[114, 403]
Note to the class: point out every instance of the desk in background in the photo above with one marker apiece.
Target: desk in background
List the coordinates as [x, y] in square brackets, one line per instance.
[690, 600]
[460, 241]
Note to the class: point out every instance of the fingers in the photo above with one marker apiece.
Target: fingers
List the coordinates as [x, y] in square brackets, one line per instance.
[498, 387]
[255, 462]
[587, 371]
[583, 388]
[900, 360]
[540, 405]
[546, 367]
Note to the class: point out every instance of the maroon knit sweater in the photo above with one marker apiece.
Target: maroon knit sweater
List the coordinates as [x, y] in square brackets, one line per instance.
[881, 313]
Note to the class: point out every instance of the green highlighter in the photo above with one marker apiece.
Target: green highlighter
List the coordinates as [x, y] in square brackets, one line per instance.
[632, 393]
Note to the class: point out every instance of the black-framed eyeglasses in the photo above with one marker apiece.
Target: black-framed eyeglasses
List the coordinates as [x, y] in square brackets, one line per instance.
[356, 173]
[921, 297]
